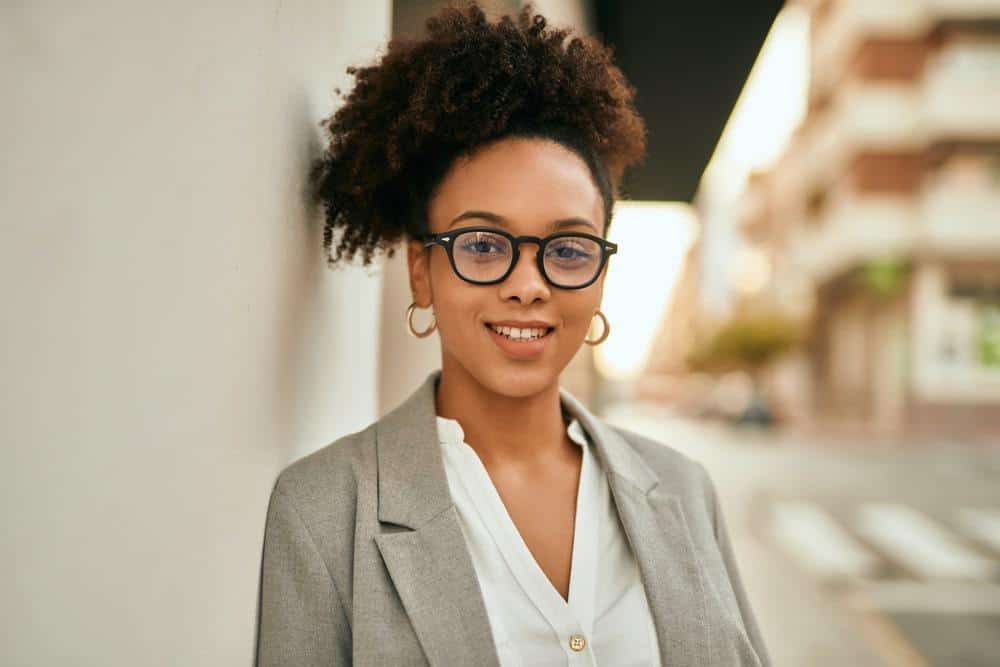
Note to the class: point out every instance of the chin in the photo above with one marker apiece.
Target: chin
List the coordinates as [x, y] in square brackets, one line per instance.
[518, 382]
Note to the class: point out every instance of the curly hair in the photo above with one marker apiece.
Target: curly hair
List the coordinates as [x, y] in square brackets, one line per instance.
[468, 83]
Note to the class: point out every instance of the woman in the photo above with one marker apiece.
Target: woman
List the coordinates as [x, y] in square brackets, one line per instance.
[491, 519]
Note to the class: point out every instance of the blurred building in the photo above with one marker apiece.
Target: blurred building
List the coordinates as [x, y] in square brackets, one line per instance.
[881, 219]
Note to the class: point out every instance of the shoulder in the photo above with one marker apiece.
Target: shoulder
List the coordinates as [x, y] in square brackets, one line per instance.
[677, 472]
[660, 456]
[326, 483]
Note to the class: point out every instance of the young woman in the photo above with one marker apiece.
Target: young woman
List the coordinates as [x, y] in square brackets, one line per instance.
[491, 519]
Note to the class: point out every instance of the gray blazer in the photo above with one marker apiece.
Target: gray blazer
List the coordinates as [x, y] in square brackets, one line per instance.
[365, 561]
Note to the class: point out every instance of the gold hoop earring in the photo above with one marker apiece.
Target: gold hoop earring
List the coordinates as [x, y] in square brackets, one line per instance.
[409, 323]
[607, 330]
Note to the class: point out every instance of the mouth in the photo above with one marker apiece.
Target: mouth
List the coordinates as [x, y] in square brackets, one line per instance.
[520, 344]
[515, 335]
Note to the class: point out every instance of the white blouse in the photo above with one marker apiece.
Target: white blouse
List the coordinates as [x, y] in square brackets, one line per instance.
[606, 620]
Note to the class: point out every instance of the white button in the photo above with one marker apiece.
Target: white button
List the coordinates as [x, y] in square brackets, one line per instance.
[577, 642]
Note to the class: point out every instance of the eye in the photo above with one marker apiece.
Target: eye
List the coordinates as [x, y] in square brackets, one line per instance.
[568, 250]
[481, 246]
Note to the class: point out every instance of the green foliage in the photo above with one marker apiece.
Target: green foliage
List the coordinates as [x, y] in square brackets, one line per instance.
[884, 276]
[988, 336]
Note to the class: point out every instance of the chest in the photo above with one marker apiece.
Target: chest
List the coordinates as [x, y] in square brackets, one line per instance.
[558, 580]
[452, 586]
[542, 506]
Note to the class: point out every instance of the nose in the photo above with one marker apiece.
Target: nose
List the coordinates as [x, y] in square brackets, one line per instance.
[525, 283]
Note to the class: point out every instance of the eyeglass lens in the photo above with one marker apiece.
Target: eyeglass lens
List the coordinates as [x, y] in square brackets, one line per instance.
[484, 256]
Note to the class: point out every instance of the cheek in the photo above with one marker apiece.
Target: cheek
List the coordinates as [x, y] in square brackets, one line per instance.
[575, 311]
[456, 303]
[579, 321]
[580, 308]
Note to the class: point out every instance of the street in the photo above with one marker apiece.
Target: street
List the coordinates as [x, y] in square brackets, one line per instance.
[855, 553]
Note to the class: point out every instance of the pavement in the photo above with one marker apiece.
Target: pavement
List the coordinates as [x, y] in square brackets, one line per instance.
[852, 552]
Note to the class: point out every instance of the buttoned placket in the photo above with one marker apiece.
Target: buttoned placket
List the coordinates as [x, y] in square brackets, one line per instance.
[572, 620]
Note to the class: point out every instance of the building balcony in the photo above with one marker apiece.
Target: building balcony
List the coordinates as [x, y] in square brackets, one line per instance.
[849, 22]
[943, 221]
[850, 25]
[863, 117]
[959, 220]
[893, 117]
[898, 94]
[961, 9]
[960, 92]
[850, 231]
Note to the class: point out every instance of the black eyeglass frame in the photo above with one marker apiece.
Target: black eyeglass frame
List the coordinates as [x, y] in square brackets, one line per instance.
[447, 240]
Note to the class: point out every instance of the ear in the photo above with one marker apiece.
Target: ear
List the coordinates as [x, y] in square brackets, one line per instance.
[418, 258]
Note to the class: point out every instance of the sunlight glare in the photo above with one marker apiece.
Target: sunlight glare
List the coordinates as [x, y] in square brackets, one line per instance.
[654, 239]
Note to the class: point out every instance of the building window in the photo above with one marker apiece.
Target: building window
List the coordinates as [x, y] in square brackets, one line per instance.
[971, 330]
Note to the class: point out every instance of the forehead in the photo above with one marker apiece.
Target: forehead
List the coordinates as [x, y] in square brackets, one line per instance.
[530, 182]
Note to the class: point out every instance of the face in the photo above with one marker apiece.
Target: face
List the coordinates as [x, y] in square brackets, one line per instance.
[525, 186]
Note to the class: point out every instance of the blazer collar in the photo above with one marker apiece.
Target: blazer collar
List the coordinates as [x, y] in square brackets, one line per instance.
[433, 571]
[410, 465]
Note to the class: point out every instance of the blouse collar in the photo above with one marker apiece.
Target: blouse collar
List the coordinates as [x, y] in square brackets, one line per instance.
[451, 432]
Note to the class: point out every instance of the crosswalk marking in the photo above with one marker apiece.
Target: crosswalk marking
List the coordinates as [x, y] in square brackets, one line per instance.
[919, 544]
[901, 534]
[935, 597]
[982, 524]
[817, 539]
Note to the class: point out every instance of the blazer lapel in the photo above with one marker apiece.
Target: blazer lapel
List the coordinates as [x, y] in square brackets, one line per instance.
[664, 550]
[428, 561]
[426, 555]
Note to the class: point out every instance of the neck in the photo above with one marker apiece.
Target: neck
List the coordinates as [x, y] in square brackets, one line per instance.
[501, 428]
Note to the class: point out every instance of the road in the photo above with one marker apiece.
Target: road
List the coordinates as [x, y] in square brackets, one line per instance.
[855, 553]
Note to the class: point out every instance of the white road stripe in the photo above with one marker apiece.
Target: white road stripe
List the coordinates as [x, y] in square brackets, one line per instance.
[937, 597]
[819, 542]
[920, 545]
[982, 523]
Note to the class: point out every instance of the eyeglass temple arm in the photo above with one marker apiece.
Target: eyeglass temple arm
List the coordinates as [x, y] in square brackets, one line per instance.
[432, 239]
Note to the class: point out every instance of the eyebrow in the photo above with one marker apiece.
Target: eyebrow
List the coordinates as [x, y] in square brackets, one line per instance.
[503, 222]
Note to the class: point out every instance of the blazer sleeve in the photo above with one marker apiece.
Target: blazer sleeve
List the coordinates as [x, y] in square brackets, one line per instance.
[301, 620]
[726, 548]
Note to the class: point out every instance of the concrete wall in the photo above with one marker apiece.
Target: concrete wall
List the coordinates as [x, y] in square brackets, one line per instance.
[171, 337]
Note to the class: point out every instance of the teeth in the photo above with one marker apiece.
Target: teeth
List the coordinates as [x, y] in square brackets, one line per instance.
[519, 334]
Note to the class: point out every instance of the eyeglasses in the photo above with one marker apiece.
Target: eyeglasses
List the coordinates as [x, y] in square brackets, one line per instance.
[487, 255]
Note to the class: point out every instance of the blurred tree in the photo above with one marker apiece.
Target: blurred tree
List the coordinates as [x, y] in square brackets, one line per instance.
[747, 342]
[884, 276]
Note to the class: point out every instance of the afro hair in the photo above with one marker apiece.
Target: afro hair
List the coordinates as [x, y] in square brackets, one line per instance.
[469, 82]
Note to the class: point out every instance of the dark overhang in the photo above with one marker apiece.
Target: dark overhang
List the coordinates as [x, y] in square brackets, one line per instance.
[688, 62]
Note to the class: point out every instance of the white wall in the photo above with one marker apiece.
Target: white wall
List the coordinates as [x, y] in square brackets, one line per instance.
[171, 337]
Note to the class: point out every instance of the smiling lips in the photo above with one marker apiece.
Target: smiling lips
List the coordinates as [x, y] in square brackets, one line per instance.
[520, 333]
[522, 342]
